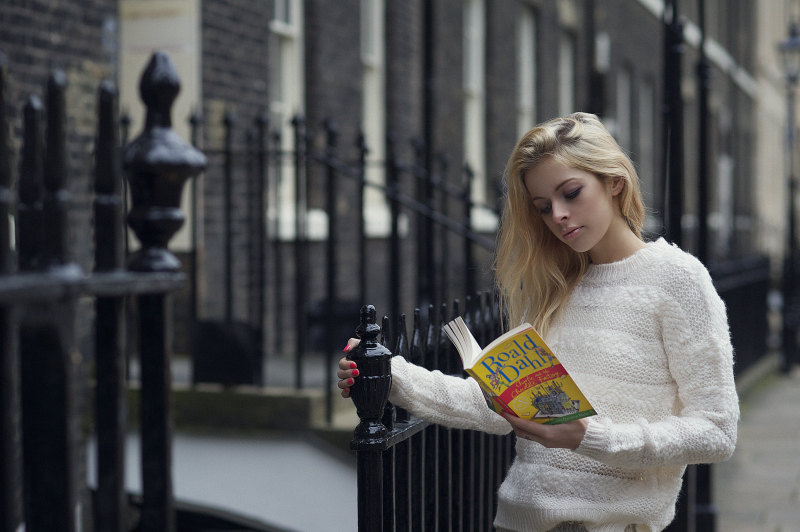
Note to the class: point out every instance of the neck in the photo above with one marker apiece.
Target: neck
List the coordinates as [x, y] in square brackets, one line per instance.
[620, 243]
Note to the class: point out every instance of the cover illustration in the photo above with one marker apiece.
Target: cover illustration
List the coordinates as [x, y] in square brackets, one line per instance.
[520, 374]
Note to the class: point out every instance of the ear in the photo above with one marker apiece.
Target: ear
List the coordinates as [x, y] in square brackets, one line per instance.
[617, 185]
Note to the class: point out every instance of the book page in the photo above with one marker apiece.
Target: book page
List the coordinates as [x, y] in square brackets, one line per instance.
[462, 338]
[474, 347]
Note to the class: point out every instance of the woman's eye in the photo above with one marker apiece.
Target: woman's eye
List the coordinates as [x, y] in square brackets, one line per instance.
[546, 209]
[573, 193]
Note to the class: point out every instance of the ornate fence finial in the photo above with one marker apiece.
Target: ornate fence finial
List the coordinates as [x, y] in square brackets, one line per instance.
[158, 163]
[371, 389]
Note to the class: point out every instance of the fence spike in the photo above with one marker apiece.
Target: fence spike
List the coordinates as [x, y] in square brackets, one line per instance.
[29, 210]
[158, 163]
[417, 347]
[56, 194]
[386, 339]
[108, 233]
[401, 349]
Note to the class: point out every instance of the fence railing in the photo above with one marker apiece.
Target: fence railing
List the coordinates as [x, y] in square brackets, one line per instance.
[47, 381]
[413, 475]
[319, 281]
[453, 490]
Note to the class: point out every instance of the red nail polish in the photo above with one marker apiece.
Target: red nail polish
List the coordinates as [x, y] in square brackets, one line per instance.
[350, 381]
[346, 348]
[352, 365]
[355, 373]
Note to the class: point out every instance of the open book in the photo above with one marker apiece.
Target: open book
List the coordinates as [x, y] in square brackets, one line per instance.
[519, 374]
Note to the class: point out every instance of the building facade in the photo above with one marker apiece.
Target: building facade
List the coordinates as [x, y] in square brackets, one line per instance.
[451, 82]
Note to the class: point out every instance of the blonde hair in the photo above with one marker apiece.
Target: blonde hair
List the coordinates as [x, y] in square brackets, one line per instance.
[536, 272]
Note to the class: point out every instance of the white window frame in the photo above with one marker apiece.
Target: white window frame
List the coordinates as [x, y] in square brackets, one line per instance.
[647, 147]
[566, 73]
[287, 99]
[624, 98]
[373, 60]
[474, 81]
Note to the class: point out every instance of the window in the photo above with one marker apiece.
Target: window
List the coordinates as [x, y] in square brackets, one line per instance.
[287, 99]
[624, 103]
[145, 26]
[283, 12]
[566, 75]
[646, 155]
[374, 113]
[475, 106]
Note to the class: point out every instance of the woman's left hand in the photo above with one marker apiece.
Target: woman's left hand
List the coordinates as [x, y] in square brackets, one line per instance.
[565, 435]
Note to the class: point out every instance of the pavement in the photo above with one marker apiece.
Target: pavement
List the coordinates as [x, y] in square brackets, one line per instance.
[758, 489]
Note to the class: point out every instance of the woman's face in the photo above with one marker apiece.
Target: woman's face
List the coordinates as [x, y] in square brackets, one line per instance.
[577, 207]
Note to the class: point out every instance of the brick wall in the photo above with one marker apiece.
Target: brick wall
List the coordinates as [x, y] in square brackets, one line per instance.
[78, 37]
[235, 78]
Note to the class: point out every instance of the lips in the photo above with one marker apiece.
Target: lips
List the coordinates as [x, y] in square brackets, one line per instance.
[571, 232]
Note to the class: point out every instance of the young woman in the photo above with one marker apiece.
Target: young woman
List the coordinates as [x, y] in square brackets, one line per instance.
[638, 325]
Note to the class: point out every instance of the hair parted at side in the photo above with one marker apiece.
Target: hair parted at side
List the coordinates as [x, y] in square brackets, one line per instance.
[536, 272]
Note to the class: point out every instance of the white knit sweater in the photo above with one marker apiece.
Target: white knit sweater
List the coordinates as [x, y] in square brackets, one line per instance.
[647, 341]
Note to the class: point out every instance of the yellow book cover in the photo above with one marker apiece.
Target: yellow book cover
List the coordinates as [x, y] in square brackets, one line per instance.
[519, 374]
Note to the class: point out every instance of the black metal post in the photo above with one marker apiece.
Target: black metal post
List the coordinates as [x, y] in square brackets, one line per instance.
[704, 507]
[425, 255]
[230, 123]
[703, 166]
[300, 249]
[469, 266]
[111, 407]
[673, 121]
[331, 270]
[10, 444]
[262, 127]
[444, 287]
[157, 502]
[54, 204]
[158, 163]
[369, 438]
[46, 337]
[393, 189]
[277, 248]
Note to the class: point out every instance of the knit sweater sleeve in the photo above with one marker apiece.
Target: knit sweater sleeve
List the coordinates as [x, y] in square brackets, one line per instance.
[696, 341]
[443, 399]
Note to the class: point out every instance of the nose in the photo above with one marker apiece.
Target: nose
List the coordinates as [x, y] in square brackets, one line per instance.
[559, 211]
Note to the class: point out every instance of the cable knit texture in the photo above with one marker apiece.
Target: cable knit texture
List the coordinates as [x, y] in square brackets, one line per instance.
[647, 340]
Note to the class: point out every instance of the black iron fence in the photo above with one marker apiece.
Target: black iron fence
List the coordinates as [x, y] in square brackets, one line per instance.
[280, 291]
[47, 380]
[455, 474]
[413, 475]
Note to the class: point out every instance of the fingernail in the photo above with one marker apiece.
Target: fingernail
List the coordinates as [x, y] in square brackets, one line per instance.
[346, 348]
[350, 381]
[347, 391]
[355, 373]
[352, 365]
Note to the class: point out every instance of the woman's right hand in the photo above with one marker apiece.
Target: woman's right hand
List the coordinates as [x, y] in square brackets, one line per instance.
[348, 370]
